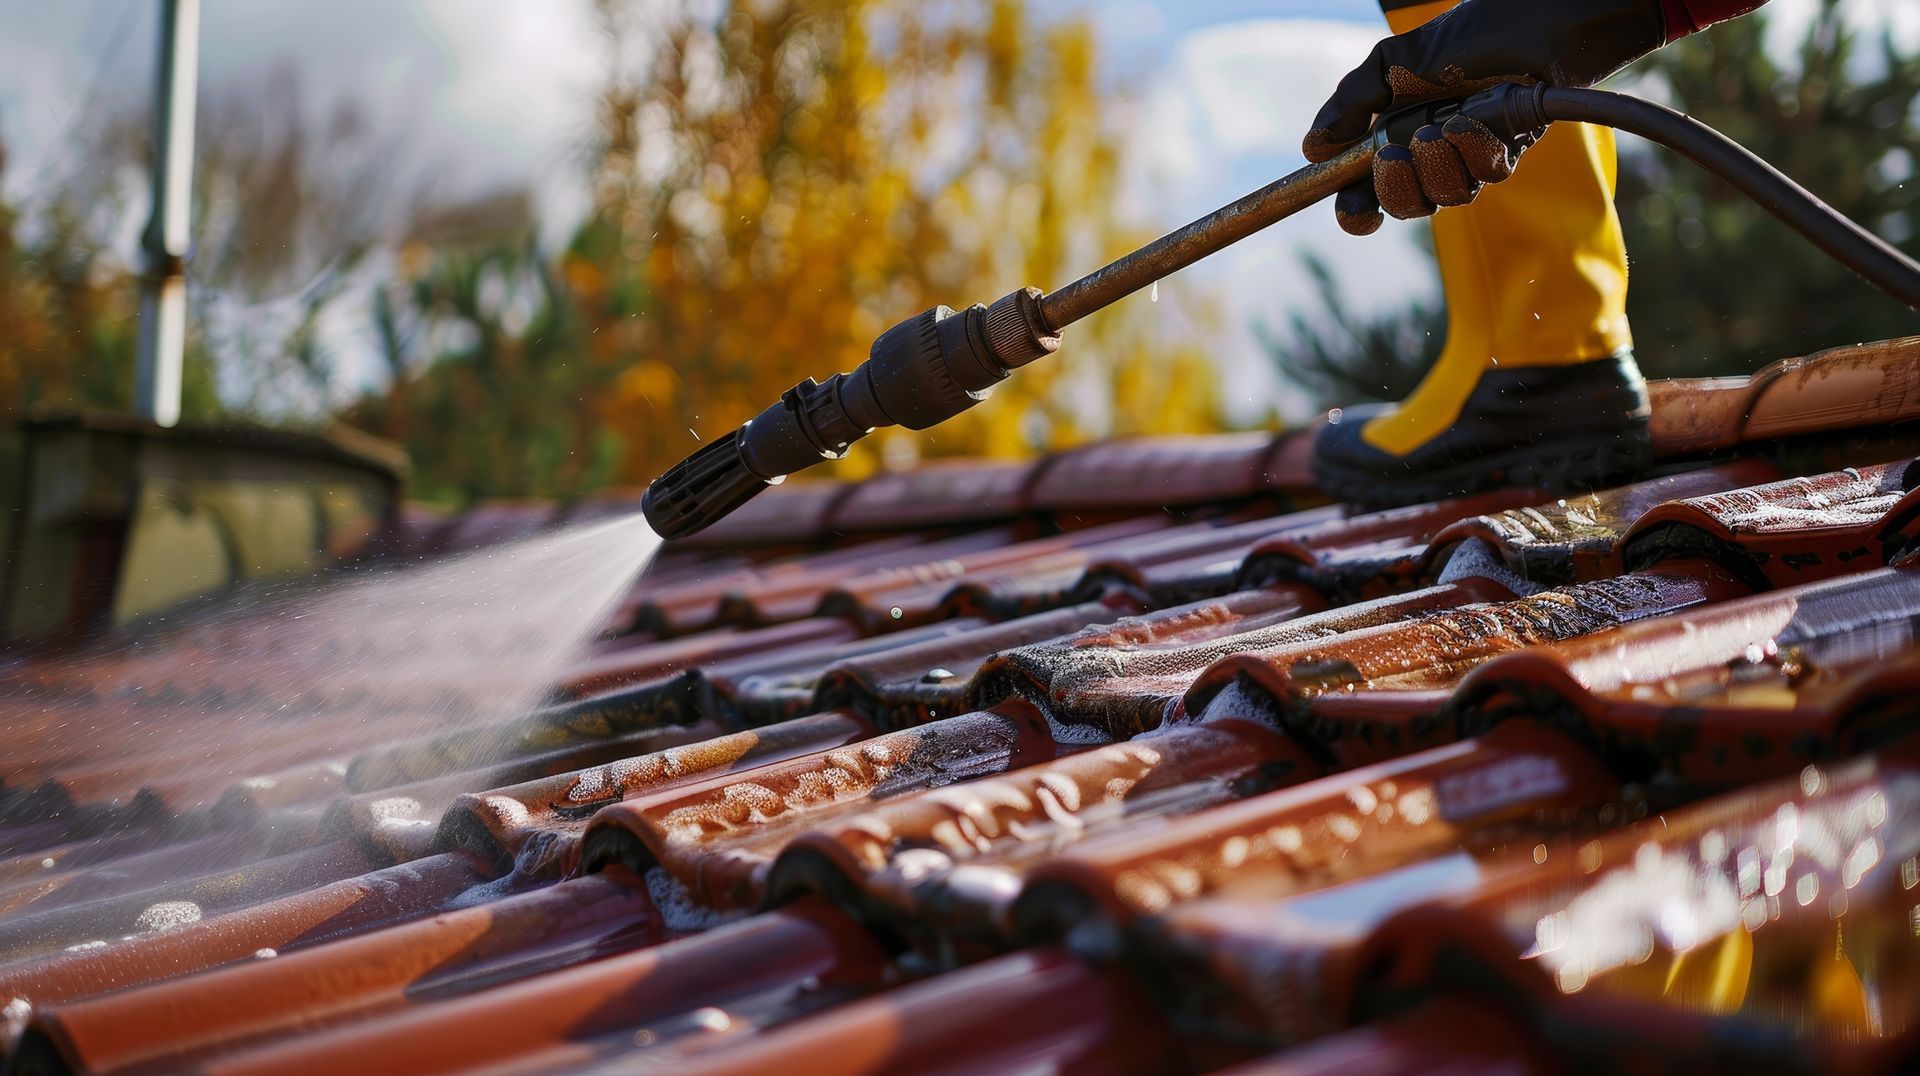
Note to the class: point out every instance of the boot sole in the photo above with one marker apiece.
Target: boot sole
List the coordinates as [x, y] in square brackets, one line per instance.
[1618, 456]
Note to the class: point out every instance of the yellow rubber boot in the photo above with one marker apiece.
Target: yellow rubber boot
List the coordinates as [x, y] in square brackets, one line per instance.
[1535, 276]
[1535, 272]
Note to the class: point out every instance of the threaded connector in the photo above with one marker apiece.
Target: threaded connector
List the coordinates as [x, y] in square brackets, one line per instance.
[1017, 332]
[921, 372]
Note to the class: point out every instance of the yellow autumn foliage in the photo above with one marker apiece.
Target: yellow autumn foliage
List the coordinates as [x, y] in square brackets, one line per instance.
[778, 186]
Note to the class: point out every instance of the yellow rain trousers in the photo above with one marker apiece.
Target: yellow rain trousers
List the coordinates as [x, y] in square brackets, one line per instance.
[1535, 272]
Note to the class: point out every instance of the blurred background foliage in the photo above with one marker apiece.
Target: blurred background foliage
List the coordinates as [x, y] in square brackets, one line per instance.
[773, 186]
[771, 190]
[1718, 286]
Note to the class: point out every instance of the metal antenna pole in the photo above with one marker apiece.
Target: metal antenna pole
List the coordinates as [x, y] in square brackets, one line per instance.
[163, 288]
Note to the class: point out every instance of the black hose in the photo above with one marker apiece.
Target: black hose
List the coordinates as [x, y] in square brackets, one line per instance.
[1846, 242]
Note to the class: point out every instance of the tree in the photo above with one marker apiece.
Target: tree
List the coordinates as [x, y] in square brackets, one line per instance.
[1719, 286]
[773, 186]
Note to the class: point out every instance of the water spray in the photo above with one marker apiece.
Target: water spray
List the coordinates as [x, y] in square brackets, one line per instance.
[941, 362]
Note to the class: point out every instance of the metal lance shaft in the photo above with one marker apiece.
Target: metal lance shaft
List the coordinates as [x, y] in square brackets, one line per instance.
[1210, 234]
[938, 363]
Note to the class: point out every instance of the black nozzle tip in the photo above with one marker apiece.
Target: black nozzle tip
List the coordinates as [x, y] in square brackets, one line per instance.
[700, 490]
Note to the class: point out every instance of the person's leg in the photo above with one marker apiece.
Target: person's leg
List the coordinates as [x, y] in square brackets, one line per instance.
[1535, 276]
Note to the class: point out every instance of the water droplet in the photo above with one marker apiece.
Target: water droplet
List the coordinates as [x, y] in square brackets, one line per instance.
[1153, 295]
[897, 613]
[712, 1019]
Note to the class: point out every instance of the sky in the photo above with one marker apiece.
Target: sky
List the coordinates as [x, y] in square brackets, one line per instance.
[491, 88]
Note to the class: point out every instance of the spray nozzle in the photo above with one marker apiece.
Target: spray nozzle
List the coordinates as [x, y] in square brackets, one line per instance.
[921, 372]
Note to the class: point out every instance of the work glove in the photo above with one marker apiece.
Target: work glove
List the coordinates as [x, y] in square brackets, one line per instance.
[1478, 44]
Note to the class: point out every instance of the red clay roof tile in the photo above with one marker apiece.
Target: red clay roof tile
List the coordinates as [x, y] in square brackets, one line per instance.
[1163, 686]
[718, 836]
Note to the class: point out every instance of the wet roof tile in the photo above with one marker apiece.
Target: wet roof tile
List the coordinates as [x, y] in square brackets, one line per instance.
[1578, 538]
[1796, 530]
[718, 837]
[359, 976]
[1149, 770]
[1844, 388]
[1339, 826]
[1370, 554]
[1747, 689]
[1161, 472]
[1373, 691]
[938, 493]
[949, 862]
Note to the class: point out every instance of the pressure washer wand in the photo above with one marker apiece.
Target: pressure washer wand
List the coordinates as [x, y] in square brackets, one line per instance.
[938, 363]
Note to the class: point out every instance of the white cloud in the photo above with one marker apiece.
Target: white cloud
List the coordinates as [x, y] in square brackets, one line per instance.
[1225, 116]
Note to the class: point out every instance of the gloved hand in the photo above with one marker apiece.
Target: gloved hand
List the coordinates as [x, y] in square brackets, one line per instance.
[1474, 46]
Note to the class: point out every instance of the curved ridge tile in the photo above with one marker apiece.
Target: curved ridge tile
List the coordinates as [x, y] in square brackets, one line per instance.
[718, 837]
[500, 824]
[1577, 539]
[353, 978]
[909, 685]
[1693, 416]
[1332, 828]
[1740, 691]
[947, 863]
[1793, 531]
[938, 493]
[1367, 555]
[1374, 692]
[1841, 388]
[1156, 472]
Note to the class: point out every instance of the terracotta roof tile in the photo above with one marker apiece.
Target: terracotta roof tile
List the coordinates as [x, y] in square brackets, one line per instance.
[1372, 692]
[1364, 556]
[1578, 538]
[949, 862]
[1158, 472]
[1796, 530]
[1048, 1013]
[908, 685]
[439, 957]
[500, 824]
[938, 493]
[1866, 385]
[1747, 689]
[722, 971]
[1340, 826]
[1449, 1035]
[1149, 770]
[718, 837]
